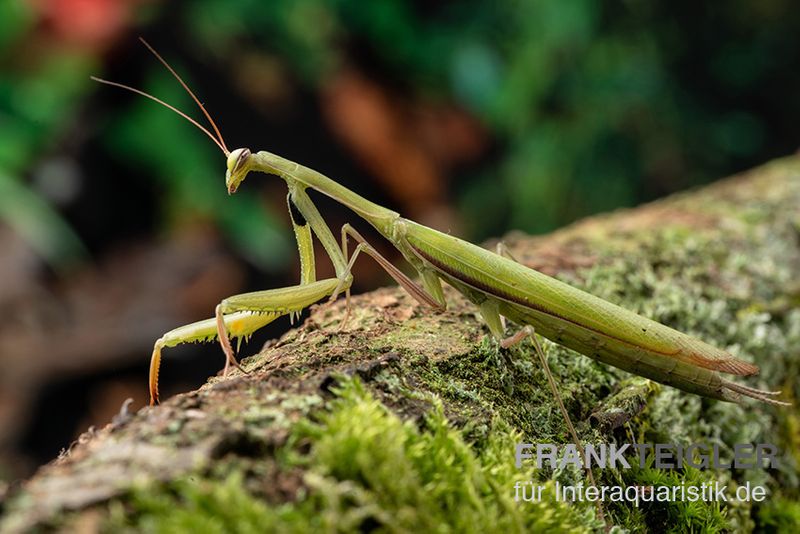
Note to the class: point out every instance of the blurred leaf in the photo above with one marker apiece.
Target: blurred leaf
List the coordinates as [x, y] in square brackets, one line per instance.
[35, 105]
[302, 31]
[37, 223]
[16, 19]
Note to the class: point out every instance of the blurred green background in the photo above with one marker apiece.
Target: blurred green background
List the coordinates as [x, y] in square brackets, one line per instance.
[475, 117]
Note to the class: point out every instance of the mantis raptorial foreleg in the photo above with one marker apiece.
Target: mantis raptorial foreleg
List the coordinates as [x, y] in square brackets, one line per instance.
[292, 300]
[239, 324]
[273, 302]
[308, 275]
[241, 315]
[305, 243]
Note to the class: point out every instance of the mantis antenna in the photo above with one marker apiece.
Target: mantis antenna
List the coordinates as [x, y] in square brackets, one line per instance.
[218, 140]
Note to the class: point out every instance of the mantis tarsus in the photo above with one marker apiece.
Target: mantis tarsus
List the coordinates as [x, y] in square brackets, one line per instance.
[499, 286]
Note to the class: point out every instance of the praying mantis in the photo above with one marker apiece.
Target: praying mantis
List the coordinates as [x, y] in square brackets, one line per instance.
[499, 286]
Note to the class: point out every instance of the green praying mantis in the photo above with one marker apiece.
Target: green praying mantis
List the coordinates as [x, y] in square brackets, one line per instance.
[499, 286]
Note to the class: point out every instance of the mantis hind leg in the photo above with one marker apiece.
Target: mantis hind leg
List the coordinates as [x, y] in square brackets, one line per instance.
[529, 332]
[494, 320]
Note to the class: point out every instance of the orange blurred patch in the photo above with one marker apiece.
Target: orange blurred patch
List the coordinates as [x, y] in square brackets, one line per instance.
[90, 24]
[410, 146]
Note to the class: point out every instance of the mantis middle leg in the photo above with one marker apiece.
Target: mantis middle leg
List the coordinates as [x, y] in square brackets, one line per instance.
[423, 296]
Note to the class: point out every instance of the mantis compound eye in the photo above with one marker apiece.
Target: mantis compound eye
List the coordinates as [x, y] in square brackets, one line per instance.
[241, 158]
[237, 168]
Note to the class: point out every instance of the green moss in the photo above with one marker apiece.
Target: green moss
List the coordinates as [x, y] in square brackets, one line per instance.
[388, 473]
[674, 515]
[364, 469]
[780, 515]
[203, 505]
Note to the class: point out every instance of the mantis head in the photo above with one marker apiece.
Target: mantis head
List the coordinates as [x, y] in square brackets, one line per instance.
[239, 163]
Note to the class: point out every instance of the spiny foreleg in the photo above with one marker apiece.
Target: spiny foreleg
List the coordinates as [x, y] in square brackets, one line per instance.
[240, 325]
[239, 317]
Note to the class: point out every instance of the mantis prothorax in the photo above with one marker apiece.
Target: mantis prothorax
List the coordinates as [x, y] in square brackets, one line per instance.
[497, 285]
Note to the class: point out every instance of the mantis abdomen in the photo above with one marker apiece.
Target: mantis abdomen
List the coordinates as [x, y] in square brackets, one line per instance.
[578, 320]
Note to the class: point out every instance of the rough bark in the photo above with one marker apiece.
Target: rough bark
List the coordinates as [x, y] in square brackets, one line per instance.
[719, 263]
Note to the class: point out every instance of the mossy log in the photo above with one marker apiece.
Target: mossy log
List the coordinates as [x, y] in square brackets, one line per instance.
[407, 419]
